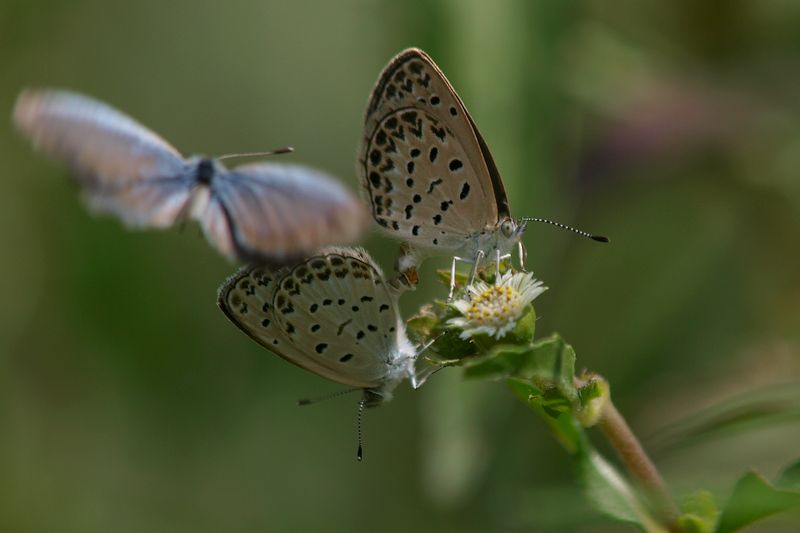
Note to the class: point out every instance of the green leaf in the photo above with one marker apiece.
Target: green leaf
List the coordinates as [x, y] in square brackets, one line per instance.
[421, 326]
[755, 498]
[610, 493]
[450, 345]
[790, 477]
[563, 426]
[700, 513]
[548, 364]
[605, 488]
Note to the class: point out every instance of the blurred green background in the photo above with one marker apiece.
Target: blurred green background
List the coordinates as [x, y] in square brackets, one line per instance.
[129, 403]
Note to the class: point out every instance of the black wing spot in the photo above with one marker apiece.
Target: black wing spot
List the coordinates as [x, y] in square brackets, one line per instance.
[453, 111]
[445, 205]
[383, 307]
[265, 322]
[321, 347]
[455, 164]
[415, 230]
[391, 123]
[345, 358]
[435, 242]
[435, 100]
[395, 225]
[340, 301]
[380, 138]
[372, 327]
[435, 183]
[437, 219]
[409, 211]
[327, 301]
[367, 298]
[289, 328]
[315, 328]
[360, 334]
[355, 308]
[410, 169]
[434, 153]
[275, 341]
[375, 157]
[410, 117]
[464, 191]
[375, 179]
[265, 307]
[389, 165]
[417, 198]
[415, 152]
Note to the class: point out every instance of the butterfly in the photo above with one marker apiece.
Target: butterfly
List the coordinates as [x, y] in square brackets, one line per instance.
[333, 314]
[428, 174]
[259, 212]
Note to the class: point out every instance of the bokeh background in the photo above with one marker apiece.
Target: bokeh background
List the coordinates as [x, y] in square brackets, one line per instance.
[129, 403]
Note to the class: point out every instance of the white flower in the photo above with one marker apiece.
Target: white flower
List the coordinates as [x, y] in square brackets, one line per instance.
[495, 309]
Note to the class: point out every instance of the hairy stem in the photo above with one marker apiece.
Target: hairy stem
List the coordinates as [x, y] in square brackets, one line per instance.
[619, 434]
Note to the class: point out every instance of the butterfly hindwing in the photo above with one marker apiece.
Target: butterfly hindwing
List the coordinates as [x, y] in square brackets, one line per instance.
[278, 212]
[331, 314]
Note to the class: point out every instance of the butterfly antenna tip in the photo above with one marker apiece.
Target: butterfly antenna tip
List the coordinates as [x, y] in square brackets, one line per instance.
[360, 452]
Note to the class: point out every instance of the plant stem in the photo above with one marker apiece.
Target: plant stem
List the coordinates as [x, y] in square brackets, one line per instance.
[619, 434]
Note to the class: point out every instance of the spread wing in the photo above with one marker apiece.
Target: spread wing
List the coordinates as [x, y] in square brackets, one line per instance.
[277, 213]
[331, 314]
[427, 172]
[123, 168]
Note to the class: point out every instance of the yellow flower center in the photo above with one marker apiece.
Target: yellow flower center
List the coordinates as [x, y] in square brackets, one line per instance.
[494, 306]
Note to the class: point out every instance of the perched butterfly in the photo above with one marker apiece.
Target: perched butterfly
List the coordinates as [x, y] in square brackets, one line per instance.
[255, 212]
[333, 314]
[428, 173]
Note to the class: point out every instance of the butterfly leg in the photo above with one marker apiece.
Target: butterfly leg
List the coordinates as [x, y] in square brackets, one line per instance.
[475, 264]
[453, 277]
[523, 255]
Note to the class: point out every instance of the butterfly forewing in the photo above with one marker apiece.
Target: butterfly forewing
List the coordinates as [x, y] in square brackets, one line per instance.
[332, 314]
[105, 147]
[124, 168]
[277, 213]
[423, 166]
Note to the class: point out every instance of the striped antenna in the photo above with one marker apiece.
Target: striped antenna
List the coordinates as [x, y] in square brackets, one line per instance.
[598, 238]
[360, 452]
[336, 394]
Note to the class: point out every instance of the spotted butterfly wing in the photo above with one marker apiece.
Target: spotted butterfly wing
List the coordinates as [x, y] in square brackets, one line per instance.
[425, 169]
[332, 314]
[281, 212]
[123, 168]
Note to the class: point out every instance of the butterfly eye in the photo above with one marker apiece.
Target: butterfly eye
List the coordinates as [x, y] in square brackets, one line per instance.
[508, 228]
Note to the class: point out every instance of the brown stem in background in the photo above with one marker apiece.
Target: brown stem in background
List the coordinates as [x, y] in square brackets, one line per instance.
[637, 462]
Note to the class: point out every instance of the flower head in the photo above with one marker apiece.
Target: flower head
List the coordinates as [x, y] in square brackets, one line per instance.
[495, 309]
